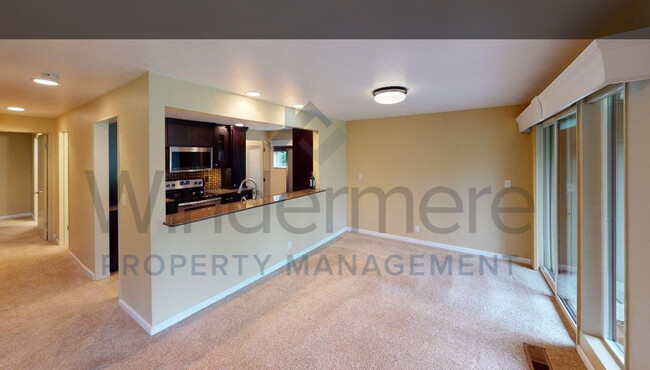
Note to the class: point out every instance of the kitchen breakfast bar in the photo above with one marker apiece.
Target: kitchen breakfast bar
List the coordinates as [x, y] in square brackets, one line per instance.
[182, 218]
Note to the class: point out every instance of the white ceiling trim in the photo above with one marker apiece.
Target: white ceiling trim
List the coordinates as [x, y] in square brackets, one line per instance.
[602, 63]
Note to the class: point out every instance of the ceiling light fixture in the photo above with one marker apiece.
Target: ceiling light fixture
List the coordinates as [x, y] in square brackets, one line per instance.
[390, 94]
[298, 106]
[239, 124]
[253, 94]
[16, 109]
[49, 79]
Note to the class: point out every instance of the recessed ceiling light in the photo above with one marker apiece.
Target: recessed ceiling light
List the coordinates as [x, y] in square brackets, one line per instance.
[16, 109]
[298, 106]
[44, 81]
[253, 93]
[239, 124]
[390, 94]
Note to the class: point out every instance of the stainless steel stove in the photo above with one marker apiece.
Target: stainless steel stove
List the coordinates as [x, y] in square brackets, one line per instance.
[188, 195]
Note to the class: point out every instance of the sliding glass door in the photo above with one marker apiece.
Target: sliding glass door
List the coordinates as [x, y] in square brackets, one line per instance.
[567, 212]
[547, 192]
[615, 211]
[558, 205]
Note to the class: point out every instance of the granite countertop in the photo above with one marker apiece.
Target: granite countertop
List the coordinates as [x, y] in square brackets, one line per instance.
[222, 191]
[183, 218]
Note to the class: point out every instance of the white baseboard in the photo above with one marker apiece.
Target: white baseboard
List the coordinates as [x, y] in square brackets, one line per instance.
[525, 261]
[18, 215]
[198, 307]
[90, 273]
[135, 316]
[584, 358]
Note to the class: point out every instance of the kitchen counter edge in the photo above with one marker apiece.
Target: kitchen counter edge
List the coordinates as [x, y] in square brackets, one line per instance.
[183, 218]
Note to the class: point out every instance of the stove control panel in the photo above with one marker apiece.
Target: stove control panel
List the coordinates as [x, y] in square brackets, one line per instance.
[183, 184]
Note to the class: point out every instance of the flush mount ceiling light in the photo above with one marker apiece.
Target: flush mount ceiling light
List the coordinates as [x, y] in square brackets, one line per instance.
[16, 109]
[390, 94]
[49, 79]
[298, 106]
[239, 124]
[253, 94]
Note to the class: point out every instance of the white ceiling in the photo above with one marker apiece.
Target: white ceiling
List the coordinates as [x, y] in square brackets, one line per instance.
[337, 76]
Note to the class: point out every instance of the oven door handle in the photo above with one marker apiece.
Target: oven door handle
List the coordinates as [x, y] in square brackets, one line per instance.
[212, 200]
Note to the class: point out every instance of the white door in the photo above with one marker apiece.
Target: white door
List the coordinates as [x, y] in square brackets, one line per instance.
[254, 160]
[41, 186]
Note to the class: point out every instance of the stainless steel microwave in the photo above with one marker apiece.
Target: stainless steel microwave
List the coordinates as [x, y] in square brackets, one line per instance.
[184, 159]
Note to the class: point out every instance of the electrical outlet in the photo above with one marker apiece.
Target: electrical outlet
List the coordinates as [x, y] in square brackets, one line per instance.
[123, 200]
[417, 229]
[289, 246]
[360, 176]
[508, 184]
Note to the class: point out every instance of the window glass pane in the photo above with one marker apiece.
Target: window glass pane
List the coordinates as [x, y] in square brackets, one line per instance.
[567, 213]
[280, 159]
[616, 212]
[548, 185]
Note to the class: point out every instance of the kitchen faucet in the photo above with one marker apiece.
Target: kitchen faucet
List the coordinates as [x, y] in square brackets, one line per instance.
[256, 191]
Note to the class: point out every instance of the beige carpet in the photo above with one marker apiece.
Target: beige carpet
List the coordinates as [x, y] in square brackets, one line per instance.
[52, 315]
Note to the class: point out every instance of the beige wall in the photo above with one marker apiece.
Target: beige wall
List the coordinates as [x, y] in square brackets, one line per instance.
[129, 104]
[172, 295]
[16, 175]
[461, 150]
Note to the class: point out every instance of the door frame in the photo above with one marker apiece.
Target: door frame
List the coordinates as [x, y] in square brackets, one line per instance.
[64, 180]
[47, 226]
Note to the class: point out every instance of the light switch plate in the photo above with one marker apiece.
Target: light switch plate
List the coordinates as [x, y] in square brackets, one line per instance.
[508, 184]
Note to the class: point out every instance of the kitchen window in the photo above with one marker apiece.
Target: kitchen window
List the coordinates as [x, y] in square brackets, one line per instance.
[280, 159]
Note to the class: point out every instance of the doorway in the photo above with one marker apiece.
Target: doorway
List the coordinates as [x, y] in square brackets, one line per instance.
[106, 197]
[254, 163]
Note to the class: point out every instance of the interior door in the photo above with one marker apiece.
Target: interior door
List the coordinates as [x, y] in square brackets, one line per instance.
[41, 188]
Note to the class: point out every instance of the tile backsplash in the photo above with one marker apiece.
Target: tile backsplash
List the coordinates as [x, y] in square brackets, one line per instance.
[214, 177]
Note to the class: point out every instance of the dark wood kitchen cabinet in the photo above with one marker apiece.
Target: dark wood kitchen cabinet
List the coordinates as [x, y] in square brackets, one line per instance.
[177, 133]
[221, 149]
[202, 135]
[181, 132]
[303, 158]
[238, 154]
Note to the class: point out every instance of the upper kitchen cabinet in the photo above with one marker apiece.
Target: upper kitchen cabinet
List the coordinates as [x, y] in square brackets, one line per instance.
[202, 135]
[221, 146]
[177, 133]
[238, 154]
[188, 133]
